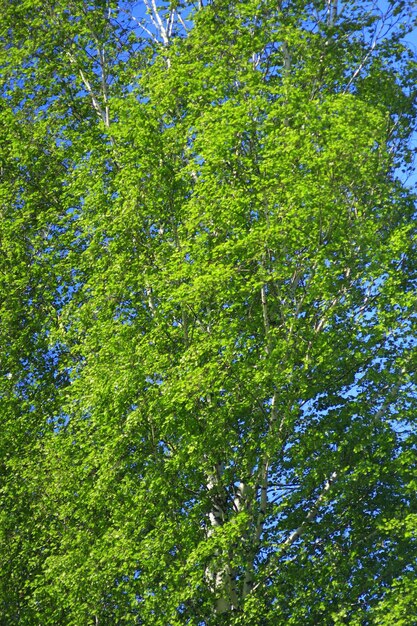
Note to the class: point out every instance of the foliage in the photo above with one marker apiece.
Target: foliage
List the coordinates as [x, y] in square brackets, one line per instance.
[208, 326]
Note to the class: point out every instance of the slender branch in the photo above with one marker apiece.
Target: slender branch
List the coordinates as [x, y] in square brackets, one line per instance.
[296, 534]
[156, 19]
[181, 21]
[331, 12]
[259, 526]
[151, 15]
[89, 89]
[378, 34]
[170, 23]
[313, 512]
[147, 31]
[104, 87]
[267, 324]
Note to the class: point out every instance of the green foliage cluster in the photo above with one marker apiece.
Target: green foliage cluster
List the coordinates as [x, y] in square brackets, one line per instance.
[208, 313]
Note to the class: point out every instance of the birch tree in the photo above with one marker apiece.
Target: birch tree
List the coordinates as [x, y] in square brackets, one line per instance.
[222, 358]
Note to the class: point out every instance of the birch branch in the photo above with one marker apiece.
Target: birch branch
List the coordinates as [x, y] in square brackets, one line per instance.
[181, 21]
[360, 67]
[162, 29]
[311, 515]
[143, 27]
[331, 480]
[265, 314]
[331, 11]
[264, 463]
[170, 24]
[378, 33]
[104, 87]
[157, 21]
[263, 502]
[296, 534]
[94, 100]
[151, 16]
[334, 476]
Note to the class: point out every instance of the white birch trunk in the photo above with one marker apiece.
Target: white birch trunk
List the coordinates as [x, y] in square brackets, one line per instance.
[218, 574]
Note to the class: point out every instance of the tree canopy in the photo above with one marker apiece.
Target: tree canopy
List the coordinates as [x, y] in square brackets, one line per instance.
[208, 313]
